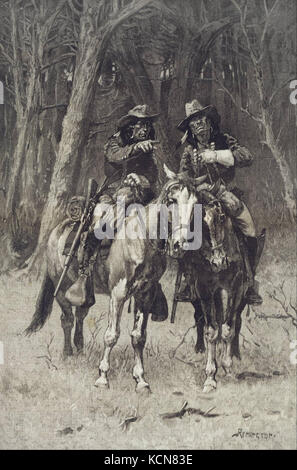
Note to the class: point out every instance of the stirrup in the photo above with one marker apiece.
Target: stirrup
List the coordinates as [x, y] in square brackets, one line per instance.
[252, 297]
[184, 295]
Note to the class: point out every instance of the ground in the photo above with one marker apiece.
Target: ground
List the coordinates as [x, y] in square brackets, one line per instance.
[50, 403]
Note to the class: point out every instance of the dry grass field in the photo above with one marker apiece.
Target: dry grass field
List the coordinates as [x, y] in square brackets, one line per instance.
[50, 403]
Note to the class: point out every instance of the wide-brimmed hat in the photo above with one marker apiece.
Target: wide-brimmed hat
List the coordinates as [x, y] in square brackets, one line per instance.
[194, 109]
[138, 112]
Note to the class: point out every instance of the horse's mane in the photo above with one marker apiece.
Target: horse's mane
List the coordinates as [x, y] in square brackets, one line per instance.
[181, 178]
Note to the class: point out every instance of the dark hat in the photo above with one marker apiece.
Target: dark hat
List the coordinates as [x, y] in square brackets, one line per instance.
[138, 112]
[193, 109]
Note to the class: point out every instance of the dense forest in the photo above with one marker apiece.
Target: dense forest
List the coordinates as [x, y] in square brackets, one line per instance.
[71, 68]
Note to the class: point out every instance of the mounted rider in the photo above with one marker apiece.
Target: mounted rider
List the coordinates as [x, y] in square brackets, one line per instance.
[132, 166]
[209, 151]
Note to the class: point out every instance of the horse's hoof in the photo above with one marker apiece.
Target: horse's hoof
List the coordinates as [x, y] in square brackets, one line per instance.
[199, 349]
[79, 351]
[143, 389]
[209, 386]
[67, 353]
[101, 383]
[208, 389]
[228, 374]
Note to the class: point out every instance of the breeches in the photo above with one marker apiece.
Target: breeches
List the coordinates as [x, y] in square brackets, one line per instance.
[238, 211]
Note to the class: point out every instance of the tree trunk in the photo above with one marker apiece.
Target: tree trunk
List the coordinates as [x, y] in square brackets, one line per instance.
[75, 132]
[21, 193]
[142, 91]
[92, 48]
[285, 173]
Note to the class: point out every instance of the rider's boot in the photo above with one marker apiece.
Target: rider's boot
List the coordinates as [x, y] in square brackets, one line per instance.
[159, 308]
[81, 293]
[254, 247]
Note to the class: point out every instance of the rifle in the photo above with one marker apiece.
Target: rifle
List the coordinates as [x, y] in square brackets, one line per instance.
[176, 289]
[85, 218]
[87, 215]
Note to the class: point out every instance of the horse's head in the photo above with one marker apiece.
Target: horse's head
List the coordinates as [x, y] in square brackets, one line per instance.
[179, 193]
[214, 222]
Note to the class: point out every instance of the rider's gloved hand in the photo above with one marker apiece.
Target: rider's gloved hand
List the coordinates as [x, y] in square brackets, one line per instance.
[145, 146]
[132, 180]
[208, 156]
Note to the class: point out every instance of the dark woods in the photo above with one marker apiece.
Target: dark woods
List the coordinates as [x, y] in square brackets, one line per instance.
[71, 68]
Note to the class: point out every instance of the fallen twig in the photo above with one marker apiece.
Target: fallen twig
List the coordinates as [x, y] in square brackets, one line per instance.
[127, 421]
[188, 363]
[256, 375]
[190, 411]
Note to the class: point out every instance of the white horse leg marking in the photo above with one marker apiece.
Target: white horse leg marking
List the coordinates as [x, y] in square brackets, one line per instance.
[230, 306]
[210, 337]
[228, 333]
[138, 338]
[112, 333]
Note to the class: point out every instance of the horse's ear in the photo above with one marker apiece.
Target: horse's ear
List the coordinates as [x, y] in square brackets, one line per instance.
[170, 174]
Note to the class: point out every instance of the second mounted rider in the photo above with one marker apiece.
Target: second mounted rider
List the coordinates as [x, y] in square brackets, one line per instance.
[216, 154]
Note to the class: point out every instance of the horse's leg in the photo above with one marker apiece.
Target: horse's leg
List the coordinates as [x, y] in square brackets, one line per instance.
[117, 300]
[80, 315]
[211, 333]
[199, 321]
[231, 311]
[138, 337]
[67, 321]
[144, 300]
[235, 348]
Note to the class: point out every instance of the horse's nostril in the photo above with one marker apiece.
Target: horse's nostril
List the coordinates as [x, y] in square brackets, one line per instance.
[176, 246]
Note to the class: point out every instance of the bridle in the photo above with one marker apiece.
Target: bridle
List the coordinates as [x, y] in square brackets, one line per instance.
[216, 203]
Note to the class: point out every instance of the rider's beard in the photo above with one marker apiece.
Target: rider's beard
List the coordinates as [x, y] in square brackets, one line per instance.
[203, 137]
[141, 135]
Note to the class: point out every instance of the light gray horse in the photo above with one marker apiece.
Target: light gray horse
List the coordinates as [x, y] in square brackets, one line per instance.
[133, 268]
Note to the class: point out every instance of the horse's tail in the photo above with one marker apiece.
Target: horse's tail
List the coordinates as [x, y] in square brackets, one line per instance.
[44, 305]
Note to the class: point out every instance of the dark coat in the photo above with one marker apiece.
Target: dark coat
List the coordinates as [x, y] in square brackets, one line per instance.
[242, 158]
[118, 156]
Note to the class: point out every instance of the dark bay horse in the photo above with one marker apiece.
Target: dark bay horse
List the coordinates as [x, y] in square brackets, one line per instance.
[222, 276]
[133, 267]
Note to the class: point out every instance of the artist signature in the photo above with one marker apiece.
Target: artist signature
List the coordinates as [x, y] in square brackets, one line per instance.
[256, 435]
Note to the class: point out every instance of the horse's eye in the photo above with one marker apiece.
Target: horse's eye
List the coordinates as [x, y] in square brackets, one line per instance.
[171, 200]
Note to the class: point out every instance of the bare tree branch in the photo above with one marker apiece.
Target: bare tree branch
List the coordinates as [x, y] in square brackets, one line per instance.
[268, 16]
[279, 89]
[244, 110]
[265, 7]
[67, 56]
[6, 55]
[51, 19]
[253, 54]
[53, 106]
[73, 8]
